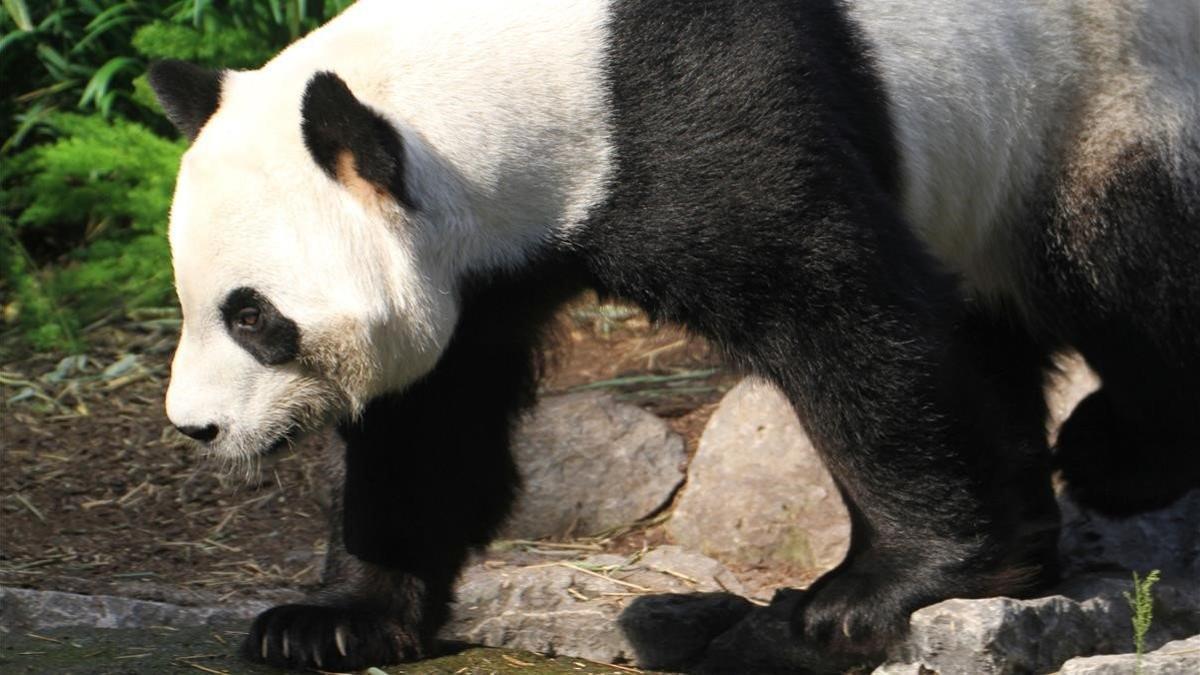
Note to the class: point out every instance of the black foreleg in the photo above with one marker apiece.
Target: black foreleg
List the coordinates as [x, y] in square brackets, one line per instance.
[428, 477]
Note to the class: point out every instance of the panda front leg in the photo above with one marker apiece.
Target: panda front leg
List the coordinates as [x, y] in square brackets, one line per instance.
[428, 477]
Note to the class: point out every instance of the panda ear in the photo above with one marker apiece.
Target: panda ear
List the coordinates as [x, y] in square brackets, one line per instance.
[188, 93]
[351, 142]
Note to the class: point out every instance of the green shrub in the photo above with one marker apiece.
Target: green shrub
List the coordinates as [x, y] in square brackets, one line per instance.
[230, 48]
[101, 193]
[84, 198]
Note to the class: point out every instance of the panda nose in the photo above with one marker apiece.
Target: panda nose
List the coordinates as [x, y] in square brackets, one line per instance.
[202, 434]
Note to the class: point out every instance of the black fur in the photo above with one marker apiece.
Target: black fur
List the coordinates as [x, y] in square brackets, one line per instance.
[188, 93]
[273, 339]
[335, 122]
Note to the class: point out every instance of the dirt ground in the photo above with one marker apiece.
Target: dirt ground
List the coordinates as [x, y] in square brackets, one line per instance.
[99, 494]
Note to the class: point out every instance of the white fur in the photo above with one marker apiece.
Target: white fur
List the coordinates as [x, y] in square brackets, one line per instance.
[504, 123]
[986, 94]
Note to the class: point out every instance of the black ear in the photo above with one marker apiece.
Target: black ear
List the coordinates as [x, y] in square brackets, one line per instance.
[337, 126]
[188, 93]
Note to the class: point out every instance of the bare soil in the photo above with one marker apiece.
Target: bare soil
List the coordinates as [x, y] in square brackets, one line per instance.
[99, 494]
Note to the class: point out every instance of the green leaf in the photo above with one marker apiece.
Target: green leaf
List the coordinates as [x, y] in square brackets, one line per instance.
[37, 114]
[110, 19]
[19, 12]
[13, 37]
[52, 58]
[98, 86]
[198, 11]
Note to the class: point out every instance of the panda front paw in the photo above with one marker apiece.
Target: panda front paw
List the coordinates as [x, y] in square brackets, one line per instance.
[337, 638]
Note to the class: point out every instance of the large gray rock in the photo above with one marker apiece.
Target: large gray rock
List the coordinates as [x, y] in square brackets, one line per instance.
[23, 609]
[757, 491]
[589, 463]
[1181, 657]
[1003, 636]
[572, 607]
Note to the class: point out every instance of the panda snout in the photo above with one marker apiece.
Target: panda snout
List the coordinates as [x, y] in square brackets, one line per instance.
[204, 434]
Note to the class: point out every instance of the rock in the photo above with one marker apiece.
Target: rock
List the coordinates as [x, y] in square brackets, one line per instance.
[1167, 539]
[589, 463]
[572, 607]
[902, 669]
[1181, 657]
[1002, 635]
[121, 651]
[757, 492]
[23, 609]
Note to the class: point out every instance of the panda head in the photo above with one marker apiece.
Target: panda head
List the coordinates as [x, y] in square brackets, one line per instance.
[308, 277]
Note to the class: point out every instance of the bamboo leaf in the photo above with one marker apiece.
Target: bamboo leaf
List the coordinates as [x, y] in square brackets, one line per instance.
[35, 115]
[98, 86]
[19, 12]
[13, 37]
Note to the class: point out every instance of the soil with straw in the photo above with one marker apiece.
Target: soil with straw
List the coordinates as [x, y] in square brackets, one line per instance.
[99, 494]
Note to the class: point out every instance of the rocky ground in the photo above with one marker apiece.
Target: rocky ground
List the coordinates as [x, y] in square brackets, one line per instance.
[638, 482]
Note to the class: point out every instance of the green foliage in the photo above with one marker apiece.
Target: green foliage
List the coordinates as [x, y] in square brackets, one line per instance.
[101, 173]
[101, 192]
[87, 54]
[84, 195]
[233, 48]
[46, 325]
[1142, 604]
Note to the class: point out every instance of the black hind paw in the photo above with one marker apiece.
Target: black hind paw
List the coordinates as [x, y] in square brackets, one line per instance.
[671, 631]
[316, 637]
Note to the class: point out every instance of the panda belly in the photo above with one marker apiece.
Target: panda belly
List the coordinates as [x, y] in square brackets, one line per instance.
[977, 91]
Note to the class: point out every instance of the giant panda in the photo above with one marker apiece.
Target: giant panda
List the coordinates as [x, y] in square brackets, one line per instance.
[895, 212]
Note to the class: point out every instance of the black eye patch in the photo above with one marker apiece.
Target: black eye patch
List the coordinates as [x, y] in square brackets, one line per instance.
[255, 324]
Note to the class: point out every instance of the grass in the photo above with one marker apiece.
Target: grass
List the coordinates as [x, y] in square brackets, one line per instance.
[1141, 601]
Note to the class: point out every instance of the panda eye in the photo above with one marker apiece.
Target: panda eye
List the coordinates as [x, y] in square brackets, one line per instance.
[257, 326]
[249, 318]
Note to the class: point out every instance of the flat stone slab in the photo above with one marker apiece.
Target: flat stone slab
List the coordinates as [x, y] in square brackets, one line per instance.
[757, 492]
[23, 609]
[589, 463]
[100, 651]
[549, 606]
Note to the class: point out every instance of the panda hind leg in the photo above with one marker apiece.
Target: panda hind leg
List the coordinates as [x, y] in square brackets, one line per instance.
[1124, 246]
[860, 609]
[947, 484]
